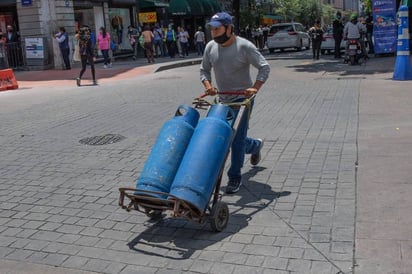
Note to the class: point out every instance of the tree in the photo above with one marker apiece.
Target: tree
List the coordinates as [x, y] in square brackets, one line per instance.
[309, 12]
[288, 9]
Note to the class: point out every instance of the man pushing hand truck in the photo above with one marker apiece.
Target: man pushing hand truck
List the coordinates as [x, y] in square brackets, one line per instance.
[230, 57]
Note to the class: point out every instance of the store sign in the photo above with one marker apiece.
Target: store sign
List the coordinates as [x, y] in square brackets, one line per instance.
[34, 48]
[385, 30]
[26, 2]
[147, 17]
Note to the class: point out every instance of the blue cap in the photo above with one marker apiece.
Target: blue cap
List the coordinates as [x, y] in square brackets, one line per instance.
[220, 19]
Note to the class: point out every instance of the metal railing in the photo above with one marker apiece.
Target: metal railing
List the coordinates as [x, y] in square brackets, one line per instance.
[11, 55]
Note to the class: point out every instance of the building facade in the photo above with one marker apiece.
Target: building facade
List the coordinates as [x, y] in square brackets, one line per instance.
[37, 21]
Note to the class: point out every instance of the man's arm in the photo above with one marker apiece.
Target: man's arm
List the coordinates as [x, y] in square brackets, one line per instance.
[205, 74]
[60, 38]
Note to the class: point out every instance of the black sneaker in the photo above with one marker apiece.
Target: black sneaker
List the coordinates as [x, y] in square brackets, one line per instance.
[255, 158]
[233, 186]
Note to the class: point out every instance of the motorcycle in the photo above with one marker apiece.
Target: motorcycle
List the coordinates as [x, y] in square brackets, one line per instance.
[354, 55]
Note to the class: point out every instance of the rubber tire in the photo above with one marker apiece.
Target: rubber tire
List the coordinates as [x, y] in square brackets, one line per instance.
[299, 47]
[322, 51]
[219, 216]
[271, 50]
[153, 214]
[352, 59]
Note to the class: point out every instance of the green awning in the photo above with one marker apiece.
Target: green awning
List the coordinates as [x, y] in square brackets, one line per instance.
[152, 4]
[193, 7]
[179, 7]
[196, 7]
[211, 7]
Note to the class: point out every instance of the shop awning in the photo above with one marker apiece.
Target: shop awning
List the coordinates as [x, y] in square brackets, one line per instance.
[194, 7]
[179, 7]
[211, 7]
[152, 4]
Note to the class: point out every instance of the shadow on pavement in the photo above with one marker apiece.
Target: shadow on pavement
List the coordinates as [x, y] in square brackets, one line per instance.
[179, 239]
[372, 66]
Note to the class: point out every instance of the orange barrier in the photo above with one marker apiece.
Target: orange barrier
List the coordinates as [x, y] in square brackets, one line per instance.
[7, 80]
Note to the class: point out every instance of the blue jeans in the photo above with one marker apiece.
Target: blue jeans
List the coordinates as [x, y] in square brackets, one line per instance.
[105, 53]
[200, 48]
[241, 145]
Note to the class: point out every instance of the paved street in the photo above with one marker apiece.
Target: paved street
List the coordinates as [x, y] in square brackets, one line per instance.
[331, 195]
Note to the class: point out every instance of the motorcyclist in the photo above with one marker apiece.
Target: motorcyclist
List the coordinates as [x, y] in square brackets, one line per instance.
[353, 31]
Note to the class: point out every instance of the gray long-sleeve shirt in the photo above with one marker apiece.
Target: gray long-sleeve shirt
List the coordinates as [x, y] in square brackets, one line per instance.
[231, 66]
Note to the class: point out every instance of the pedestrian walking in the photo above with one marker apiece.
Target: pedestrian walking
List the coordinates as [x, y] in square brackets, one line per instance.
[103, 41]
[231, 56]
[158, 41]
[184, 41]
[86, 53]
[148, 43]
[200, 41]
[316, 34]
[170, 37]
[63, 38]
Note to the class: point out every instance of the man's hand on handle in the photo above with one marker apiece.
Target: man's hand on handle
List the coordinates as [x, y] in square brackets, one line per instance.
[249, 92]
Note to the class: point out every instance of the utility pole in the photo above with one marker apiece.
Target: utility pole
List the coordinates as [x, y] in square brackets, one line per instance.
[236, 14]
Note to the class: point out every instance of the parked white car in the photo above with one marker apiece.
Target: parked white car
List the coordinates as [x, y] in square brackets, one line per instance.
[328, 42]
[287, 35]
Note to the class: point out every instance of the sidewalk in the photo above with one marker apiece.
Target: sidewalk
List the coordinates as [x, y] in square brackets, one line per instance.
[122, 69]
[311, 123]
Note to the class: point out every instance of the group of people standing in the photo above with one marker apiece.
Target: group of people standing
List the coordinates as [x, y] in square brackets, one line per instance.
[157, 41]
[352, 29]
[10, 43]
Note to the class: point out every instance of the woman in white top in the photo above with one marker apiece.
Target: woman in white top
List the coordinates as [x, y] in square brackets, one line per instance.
[184, 41]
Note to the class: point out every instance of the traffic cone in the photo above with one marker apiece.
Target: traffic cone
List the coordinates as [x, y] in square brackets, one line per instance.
[403, 70]
[7, 80]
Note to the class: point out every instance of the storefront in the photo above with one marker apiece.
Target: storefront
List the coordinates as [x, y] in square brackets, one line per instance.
[121, 15]
[10, 56]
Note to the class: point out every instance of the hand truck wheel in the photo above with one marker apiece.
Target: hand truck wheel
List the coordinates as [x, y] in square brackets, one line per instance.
[219, 216]
[153, 214]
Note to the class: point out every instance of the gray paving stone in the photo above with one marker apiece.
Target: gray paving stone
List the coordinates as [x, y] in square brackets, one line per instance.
[241, 269]
[75, 262]
[264, 240]
[275, 262]
[68, 238]
[131, 269]
[299, 265]
[19, 254]
[96, 265]
[253, 260]
[36, 245]
[54, 259]
[20, 243]
[116, 268]
[234, 258]
[4, 251]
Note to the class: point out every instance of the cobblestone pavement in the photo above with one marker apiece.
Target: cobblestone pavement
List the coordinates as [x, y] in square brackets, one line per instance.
[294, 214]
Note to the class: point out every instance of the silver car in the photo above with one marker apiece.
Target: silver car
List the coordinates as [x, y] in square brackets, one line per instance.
[287, 35]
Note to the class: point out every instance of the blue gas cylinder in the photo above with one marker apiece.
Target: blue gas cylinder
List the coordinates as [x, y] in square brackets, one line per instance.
[168, 151]
[197, 175]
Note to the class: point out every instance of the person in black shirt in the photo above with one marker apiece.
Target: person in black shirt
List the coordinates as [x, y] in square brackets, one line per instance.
[86, 53]
[369, 33]
[337, 33]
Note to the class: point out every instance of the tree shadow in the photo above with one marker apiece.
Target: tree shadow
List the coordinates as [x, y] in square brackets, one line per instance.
[179, 239]
[331, 66]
